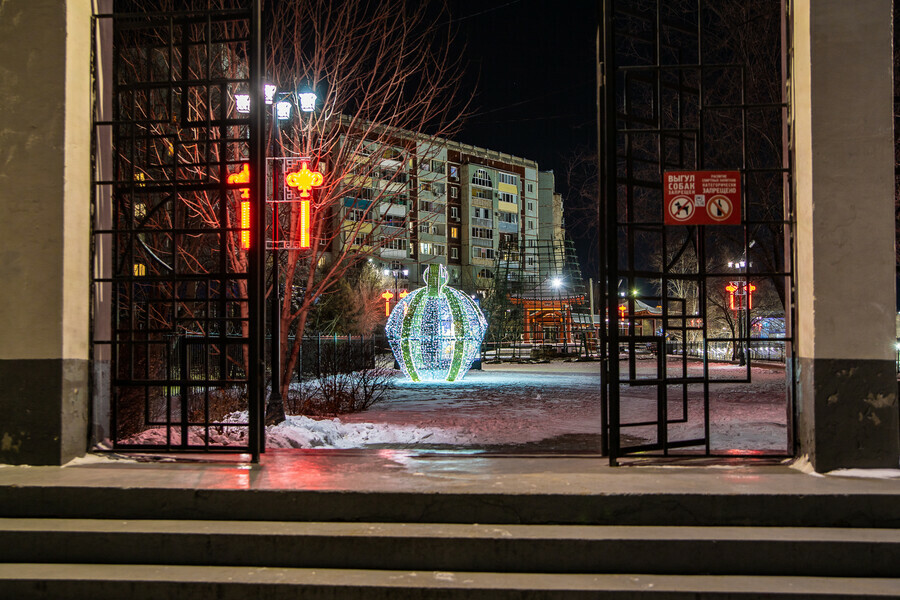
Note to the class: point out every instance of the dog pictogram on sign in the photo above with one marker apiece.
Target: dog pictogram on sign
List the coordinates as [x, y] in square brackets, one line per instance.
[681, 208]
[702, 197]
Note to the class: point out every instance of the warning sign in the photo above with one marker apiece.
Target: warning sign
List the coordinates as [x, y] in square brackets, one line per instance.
[702, 197]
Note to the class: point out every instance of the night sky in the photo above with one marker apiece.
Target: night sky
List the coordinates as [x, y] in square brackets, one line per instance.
[531, 66]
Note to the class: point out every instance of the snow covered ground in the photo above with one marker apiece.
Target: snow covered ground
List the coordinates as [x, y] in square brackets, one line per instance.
[547, 407]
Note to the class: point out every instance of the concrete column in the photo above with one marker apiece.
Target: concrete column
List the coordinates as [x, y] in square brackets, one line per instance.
[842, 108]
[45, 121]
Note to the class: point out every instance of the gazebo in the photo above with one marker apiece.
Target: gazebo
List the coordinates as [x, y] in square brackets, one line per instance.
[547, 308]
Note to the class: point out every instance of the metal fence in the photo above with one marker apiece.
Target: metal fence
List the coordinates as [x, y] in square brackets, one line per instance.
[762, 349]
[337, 353]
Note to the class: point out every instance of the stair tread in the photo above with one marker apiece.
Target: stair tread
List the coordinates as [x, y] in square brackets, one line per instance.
[773, 585]
[449, 530]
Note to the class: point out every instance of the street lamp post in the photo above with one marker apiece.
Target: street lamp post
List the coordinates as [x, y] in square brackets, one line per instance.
[281, 111]
[396, 273]
[275, 407]
[742, 293]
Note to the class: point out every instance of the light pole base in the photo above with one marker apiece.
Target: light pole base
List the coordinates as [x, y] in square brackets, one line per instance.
[275, 409]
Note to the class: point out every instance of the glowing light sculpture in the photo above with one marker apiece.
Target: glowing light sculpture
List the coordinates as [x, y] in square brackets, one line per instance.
[436, 331]
[304, 180]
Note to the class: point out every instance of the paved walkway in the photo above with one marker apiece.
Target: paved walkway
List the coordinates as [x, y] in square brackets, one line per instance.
[423, 471]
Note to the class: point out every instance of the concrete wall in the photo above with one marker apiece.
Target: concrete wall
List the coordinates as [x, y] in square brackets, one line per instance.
[44, 257]
[842, 110]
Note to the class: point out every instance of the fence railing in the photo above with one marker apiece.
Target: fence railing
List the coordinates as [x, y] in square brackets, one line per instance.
[337, 353]
[761, 349]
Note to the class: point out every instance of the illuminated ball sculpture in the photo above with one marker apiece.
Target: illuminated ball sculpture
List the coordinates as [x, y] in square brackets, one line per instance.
[436, 331]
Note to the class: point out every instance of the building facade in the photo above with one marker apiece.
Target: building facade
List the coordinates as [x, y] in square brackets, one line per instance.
[423, 201]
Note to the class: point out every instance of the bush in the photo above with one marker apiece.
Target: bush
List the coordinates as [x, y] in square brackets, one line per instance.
[338, 391]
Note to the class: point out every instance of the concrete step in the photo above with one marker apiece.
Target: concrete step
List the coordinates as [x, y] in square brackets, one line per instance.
[646, 506]
[147, 582]
[575, 549]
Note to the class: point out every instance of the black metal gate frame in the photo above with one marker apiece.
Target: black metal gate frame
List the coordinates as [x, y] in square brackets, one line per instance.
[618, 121]
[148, 301]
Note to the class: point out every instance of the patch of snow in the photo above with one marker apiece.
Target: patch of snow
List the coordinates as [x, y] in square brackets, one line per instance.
[866, 473]
[97, 459]
[803, 465]
[555, 404]
[305, 432]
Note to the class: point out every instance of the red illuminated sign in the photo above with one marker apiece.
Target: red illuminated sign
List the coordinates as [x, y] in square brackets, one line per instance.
[304, 180]
[739, 291]
[243, 176]
[702, 197]
[387, 303]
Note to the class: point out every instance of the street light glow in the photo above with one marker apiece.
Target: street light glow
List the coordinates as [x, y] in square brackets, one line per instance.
[307, 101]
[242, 103]
[283, 110]
[269, 91]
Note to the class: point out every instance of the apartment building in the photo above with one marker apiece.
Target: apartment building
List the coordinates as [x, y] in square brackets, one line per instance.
[439, 201]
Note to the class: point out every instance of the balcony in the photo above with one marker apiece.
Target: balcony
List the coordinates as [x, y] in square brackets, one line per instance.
[392, 210]
[393, 253]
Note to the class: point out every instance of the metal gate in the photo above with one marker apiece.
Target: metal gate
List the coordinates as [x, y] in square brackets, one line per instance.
[686, 87]
[176, 264]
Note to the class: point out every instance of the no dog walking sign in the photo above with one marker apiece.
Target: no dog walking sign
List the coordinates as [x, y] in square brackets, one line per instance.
[702, 197]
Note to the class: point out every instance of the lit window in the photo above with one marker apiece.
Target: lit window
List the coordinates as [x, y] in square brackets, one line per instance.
[454, 232]
[483, 253]
[481, 177]
[508, 178]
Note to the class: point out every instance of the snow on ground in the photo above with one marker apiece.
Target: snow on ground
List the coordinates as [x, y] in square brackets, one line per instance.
[550, 406]
[537, 407]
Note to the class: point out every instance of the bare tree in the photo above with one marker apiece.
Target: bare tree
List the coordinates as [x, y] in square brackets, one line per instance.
[385, 78]
[386, 81]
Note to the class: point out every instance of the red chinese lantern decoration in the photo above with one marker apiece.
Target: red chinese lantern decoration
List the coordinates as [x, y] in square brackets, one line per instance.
[243, 176]
[304, 180]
